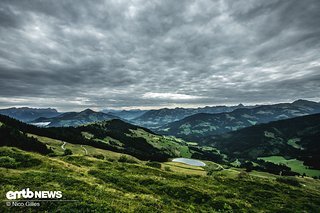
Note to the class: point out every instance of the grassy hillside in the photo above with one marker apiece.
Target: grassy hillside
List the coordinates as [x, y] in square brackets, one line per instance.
[119, 136]
[111, 185]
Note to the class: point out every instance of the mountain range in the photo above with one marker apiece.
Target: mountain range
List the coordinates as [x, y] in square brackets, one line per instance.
[202, 122]
[195, 127]
[73, 119]
[27, 114]
[159, 117]
[125, 114]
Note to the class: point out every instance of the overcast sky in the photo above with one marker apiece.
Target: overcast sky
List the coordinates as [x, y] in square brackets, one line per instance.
[149, 54]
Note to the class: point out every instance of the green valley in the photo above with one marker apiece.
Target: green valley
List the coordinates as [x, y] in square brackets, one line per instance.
[113, 166]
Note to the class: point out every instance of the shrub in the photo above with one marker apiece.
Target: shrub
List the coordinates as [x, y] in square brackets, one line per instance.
[125, 159]
[243, 175]
[14, 159]
[99, 156]
[52, 155]
[8, 162]
[167, 168]
[110, 159]
[288, 180]
[248, 165]
[211, 169]
[154, 164]
[67, 152]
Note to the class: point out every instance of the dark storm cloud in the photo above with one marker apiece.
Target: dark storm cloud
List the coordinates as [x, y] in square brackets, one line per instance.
[77, 54]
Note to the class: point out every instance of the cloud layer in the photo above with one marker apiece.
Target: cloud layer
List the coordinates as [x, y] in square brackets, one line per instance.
[100, 54]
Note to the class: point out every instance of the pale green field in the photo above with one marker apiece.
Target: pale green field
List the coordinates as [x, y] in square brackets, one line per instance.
[294, 164]
[236, 163]
[192, 143]
[77, 149]
[293, 142]
[184, 168]
[161, 142]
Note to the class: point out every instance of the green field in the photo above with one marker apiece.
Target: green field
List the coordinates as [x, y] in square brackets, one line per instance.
[78, 149]
[175, 145]
[294, 164]
[293, 142]
[184, 168]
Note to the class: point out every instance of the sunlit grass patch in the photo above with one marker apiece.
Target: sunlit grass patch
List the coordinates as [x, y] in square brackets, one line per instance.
[294, 164]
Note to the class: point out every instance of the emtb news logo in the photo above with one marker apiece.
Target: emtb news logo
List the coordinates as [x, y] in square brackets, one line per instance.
[28, 194]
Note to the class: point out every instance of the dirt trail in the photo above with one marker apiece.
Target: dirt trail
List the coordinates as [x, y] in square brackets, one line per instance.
[62, 146]
[85, 150]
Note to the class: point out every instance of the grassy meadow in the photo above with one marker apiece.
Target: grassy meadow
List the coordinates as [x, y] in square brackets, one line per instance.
[105, 181]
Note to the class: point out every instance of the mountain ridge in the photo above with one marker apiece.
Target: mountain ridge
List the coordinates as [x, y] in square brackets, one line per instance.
[297, 137]
[28, 114]
[74, 118]
[204, 124]
[159, 117]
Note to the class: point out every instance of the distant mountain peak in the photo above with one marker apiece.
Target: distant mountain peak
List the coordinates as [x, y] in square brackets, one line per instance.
[304, 102]
[87, 111]
[301, 101]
